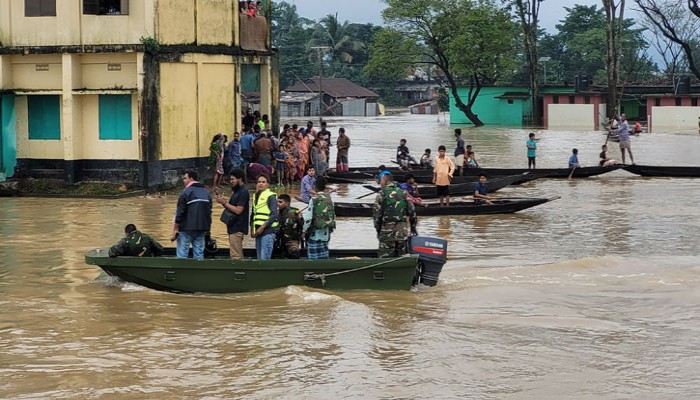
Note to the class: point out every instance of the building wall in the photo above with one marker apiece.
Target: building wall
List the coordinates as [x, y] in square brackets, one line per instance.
[36, 72]
[211, 22]
[492, 111]
[37, 149]
[203, 83]
[677, 119]
[98, 149]
[197, 95]
[71, 27]
[576, 116]
[176, 22]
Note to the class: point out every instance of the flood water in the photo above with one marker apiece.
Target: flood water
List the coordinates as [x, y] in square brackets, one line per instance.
[592, 296]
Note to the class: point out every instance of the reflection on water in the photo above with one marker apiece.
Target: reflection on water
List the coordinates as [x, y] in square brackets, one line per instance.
[593, 295]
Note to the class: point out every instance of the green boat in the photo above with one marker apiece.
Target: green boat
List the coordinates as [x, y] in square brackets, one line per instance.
[345, 270]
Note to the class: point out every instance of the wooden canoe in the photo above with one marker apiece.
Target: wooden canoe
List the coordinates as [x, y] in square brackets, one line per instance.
[500, 206]
[463, 189]
[663, 171]
[426, 175]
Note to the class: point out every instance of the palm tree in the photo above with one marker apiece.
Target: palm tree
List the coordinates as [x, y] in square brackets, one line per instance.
[343, 49]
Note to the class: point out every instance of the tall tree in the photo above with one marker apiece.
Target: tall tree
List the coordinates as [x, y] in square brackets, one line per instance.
[614, 19]
[343, 49]
[672, 21]
[470, 42]
[574, 30]
[290, 32]
[528, 13]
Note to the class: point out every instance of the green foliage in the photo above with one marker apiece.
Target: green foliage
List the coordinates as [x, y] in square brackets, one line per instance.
[443, 100]
[470, 42]
[579, 48]
[150, 44]
[290, 34]
[391, 54]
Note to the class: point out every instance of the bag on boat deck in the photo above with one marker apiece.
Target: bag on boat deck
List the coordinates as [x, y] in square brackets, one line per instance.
[210, 246]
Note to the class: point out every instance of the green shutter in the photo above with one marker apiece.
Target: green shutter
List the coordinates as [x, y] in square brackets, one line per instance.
[44, 117]
[250, 78]
[115, 117]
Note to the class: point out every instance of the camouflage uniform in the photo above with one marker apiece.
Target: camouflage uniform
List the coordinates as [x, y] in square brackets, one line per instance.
[289, 232]
[391, 208]
[136, 244]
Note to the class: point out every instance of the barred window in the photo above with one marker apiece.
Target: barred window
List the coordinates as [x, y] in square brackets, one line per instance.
[106, 7]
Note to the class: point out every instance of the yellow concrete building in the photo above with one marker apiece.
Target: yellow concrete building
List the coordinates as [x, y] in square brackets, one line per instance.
[126, 90]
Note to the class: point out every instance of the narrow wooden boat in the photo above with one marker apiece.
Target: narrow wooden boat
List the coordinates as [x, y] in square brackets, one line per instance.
[345, 270]
[500, 206]
[426, 175]
[463, 189]
[473, 178]
[663, 171]
[370, 174]
[582, 172]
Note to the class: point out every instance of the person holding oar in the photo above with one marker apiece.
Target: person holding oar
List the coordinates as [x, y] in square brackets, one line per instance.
[573, 162]
[623, 132]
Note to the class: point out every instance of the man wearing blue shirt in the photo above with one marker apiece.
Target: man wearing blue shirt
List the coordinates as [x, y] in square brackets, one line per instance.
[623, 132]
[481, 190]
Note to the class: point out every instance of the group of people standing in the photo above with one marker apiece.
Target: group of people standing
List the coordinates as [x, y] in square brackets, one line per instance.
[279, 229]
[285, 156]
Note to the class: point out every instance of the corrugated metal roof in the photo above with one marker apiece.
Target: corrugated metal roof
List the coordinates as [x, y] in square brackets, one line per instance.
[335, 87]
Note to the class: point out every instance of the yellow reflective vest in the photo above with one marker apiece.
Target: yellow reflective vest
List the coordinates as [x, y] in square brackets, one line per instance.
[261, 211]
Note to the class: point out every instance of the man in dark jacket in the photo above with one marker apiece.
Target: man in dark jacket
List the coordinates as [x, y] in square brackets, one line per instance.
[192, 217]
[135, 244]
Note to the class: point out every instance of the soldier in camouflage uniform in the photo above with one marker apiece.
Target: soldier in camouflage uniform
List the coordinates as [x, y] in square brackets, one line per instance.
[136, 244]
[288, 241]
[391, 209]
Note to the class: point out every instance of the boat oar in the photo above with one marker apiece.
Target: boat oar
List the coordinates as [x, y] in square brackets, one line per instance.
[364, 195]
[572, 172]
[370, 187]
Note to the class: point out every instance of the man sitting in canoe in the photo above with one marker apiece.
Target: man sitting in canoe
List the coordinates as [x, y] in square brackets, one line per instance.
[411, 189]
[288, 241]
[481, 190]
[135, 244]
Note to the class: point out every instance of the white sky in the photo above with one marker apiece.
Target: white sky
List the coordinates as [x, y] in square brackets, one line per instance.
[369, 11]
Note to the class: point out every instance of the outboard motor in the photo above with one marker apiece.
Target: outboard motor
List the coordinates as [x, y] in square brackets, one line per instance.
[432, 255]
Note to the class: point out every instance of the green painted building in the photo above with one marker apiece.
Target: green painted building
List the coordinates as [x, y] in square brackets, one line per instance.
[8, 140]
[503, 105]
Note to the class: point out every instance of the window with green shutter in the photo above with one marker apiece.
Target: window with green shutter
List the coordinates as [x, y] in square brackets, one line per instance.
[115, 117]
[44, 114]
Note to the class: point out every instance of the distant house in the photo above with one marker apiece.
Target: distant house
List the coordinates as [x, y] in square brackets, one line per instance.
[413, 93]
[583, 107]
[341, 97]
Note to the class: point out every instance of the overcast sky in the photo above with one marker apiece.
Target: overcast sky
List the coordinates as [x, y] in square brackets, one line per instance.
[369, 11]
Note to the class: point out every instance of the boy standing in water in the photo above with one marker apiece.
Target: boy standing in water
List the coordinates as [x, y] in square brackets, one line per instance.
[531, 150]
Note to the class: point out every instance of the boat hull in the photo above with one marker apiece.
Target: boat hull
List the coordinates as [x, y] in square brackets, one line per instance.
[506, 206]
[663, 171]
[426, 176]
[360, 269]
